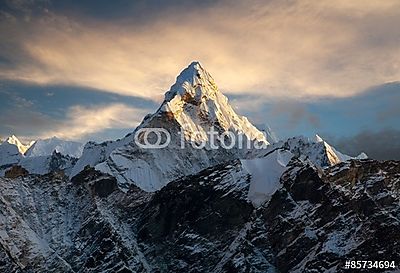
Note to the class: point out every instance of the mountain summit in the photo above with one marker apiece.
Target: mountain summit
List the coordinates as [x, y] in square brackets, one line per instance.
[195, 102]
[193, 82]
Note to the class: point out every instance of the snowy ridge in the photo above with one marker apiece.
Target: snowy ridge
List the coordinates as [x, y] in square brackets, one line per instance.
[317, 151]
[48, 163]
[334, 155]
[96, 153]
[265, 175]
[266, 169]
[40, 164]
[43, 147]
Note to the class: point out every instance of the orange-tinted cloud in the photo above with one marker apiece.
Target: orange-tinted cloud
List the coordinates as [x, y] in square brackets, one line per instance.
[81, 122]
[274, 48]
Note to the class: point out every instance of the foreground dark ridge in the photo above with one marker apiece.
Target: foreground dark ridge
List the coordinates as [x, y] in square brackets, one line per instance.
[202, 223]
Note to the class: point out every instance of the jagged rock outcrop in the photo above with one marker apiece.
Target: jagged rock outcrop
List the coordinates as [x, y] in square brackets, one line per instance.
[15, 171]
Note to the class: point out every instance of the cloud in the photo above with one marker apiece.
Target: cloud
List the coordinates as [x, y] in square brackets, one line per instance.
[270, 48]
[283, 115]
[391, 112]
[81, 122]
[32, 111]
[138, 11]
[373, 109]
[25, 121]
[381, 145]
[295, 113]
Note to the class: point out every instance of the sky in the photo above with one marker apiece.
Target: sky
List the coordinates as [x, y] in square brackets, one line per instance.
[91, 70]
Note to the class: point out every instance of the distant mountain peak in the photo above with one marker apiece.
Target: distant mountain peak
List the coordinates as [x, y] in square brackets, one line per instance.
[22, 148]
[12, 139]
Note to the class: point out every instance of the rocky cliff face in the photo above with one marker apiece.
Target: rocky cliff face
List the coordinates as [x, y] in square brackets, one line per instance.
[203, 223]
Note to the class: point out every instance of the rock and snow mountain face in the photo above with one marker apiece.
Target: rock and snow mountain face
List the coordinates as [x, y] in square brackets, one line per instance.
[191, 108]
[311, 224]
[15, 141]
[314, 222]
[48, 163]
[36, 165]
[44, 147]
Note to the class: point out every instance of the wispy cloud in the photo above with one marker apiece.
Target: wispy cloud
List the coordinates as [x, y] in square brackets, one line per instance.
[24, 121]
[274, 48]
[81, 122]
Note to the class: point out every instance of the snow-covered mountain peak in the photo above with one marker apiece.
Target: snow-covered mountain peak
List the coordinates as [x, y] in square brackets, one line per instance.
[196, 104]
[12, 138]
[192, 72]
[318, 151]
[15, 141]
